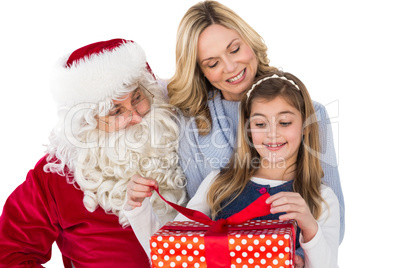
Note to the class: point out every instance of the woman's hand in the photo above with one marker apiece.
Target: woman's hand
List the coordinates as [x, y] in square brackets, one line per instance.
[138, 189]
[296, 209]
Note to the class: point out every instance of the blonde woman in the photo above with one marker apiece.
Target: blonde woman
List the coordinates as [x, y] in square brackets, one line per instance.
[218, 56]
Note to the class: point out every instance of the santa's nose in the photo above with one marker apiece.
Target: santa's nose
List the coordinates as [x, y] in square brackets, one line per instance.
[135, 118]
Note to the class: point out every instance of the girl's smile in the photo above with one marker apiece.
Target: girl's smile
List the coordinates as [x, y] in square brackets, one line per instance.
[275, 147]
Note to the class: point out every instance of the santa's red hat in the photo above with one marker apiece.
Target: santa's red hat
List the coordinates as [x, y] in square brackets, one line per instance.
[97, 71]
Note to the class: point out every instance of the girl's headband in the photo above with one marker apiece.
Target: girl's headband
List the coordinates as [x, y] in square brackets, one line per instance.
[269, 77]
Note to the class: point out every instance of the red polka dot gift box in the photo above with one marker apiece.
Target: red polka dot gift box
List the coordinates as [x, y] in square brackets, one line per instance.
[259, 243]
[228, 243]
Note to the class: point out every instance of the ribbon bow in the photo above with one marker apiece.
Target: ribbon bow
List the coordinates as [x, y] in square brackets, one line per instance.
[216, 243]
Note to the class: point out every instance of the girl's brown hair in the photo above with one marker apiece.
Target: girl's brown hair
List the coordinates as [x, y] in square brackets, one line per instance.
[232, 180]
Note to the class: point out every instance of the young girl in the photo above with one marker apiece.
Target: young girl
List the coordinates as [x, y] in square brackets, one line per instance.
[277, 152]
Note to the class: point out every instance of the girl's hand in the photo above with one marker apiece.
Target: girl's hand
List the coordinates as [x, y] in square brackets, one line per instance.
[296, 209]
[138, 188]
[299, 262]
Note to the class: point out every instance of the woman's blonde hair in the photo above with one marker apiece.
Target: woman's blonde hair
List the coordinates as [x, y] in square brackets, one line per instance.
[232, 180]
[188, 89]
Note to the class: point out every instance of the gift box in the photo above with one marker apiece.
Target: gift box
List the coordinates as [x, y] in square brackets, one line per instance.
[257, 243]
[236, 241]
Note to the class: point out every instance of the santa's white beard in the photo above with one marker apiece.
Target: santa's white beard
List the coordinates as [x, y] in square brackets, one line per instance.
[103, 171]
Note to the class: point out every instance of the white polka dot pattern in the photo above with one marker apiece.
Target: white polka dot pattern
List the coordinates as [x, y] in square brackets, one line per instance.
[249, 247]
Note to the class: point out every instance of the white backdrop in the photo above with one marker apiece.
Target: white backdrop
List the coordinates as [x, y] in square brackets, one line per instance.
[348, 53]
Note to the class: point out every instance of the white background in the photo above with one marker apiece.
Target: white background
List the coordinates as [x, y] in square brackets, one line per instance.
[348, 53]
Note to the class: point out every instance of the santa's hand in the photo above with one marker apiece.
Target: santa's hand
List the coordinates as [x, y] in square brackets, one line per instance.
[138, 189]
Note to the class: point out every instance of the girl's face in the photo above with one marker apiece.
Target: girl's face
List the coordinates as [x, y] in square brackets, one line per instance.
[276, 131]
[226, 61]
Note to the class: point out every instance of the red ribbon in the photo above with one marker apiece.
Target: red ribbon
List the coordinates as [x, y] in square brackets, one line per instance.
[216, 242]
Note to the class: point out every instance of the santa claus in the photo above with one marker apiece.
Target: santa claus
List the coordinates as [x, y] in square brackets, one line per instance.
[113, 123]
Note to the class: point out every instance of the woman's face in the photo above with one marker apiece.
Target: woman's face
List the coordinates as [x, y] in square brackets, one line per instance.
[226, 61]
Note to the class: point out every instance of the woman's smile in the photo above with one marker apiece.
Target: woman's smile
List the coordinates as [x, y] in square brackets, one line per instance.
[238, 78]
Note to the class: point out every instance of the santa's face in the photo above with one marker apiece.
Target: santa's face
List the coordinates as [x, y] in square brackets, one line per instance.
[127, 111]
[105, 169]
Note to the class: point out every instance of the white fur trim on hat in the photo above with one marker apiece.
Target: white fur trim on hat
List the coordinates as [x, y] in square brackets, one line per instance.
[98, 77]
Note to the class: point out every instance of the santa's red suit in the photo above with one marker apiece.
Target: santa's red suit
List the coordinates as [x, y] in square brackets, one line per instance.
[48, 207]
[45, 208]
